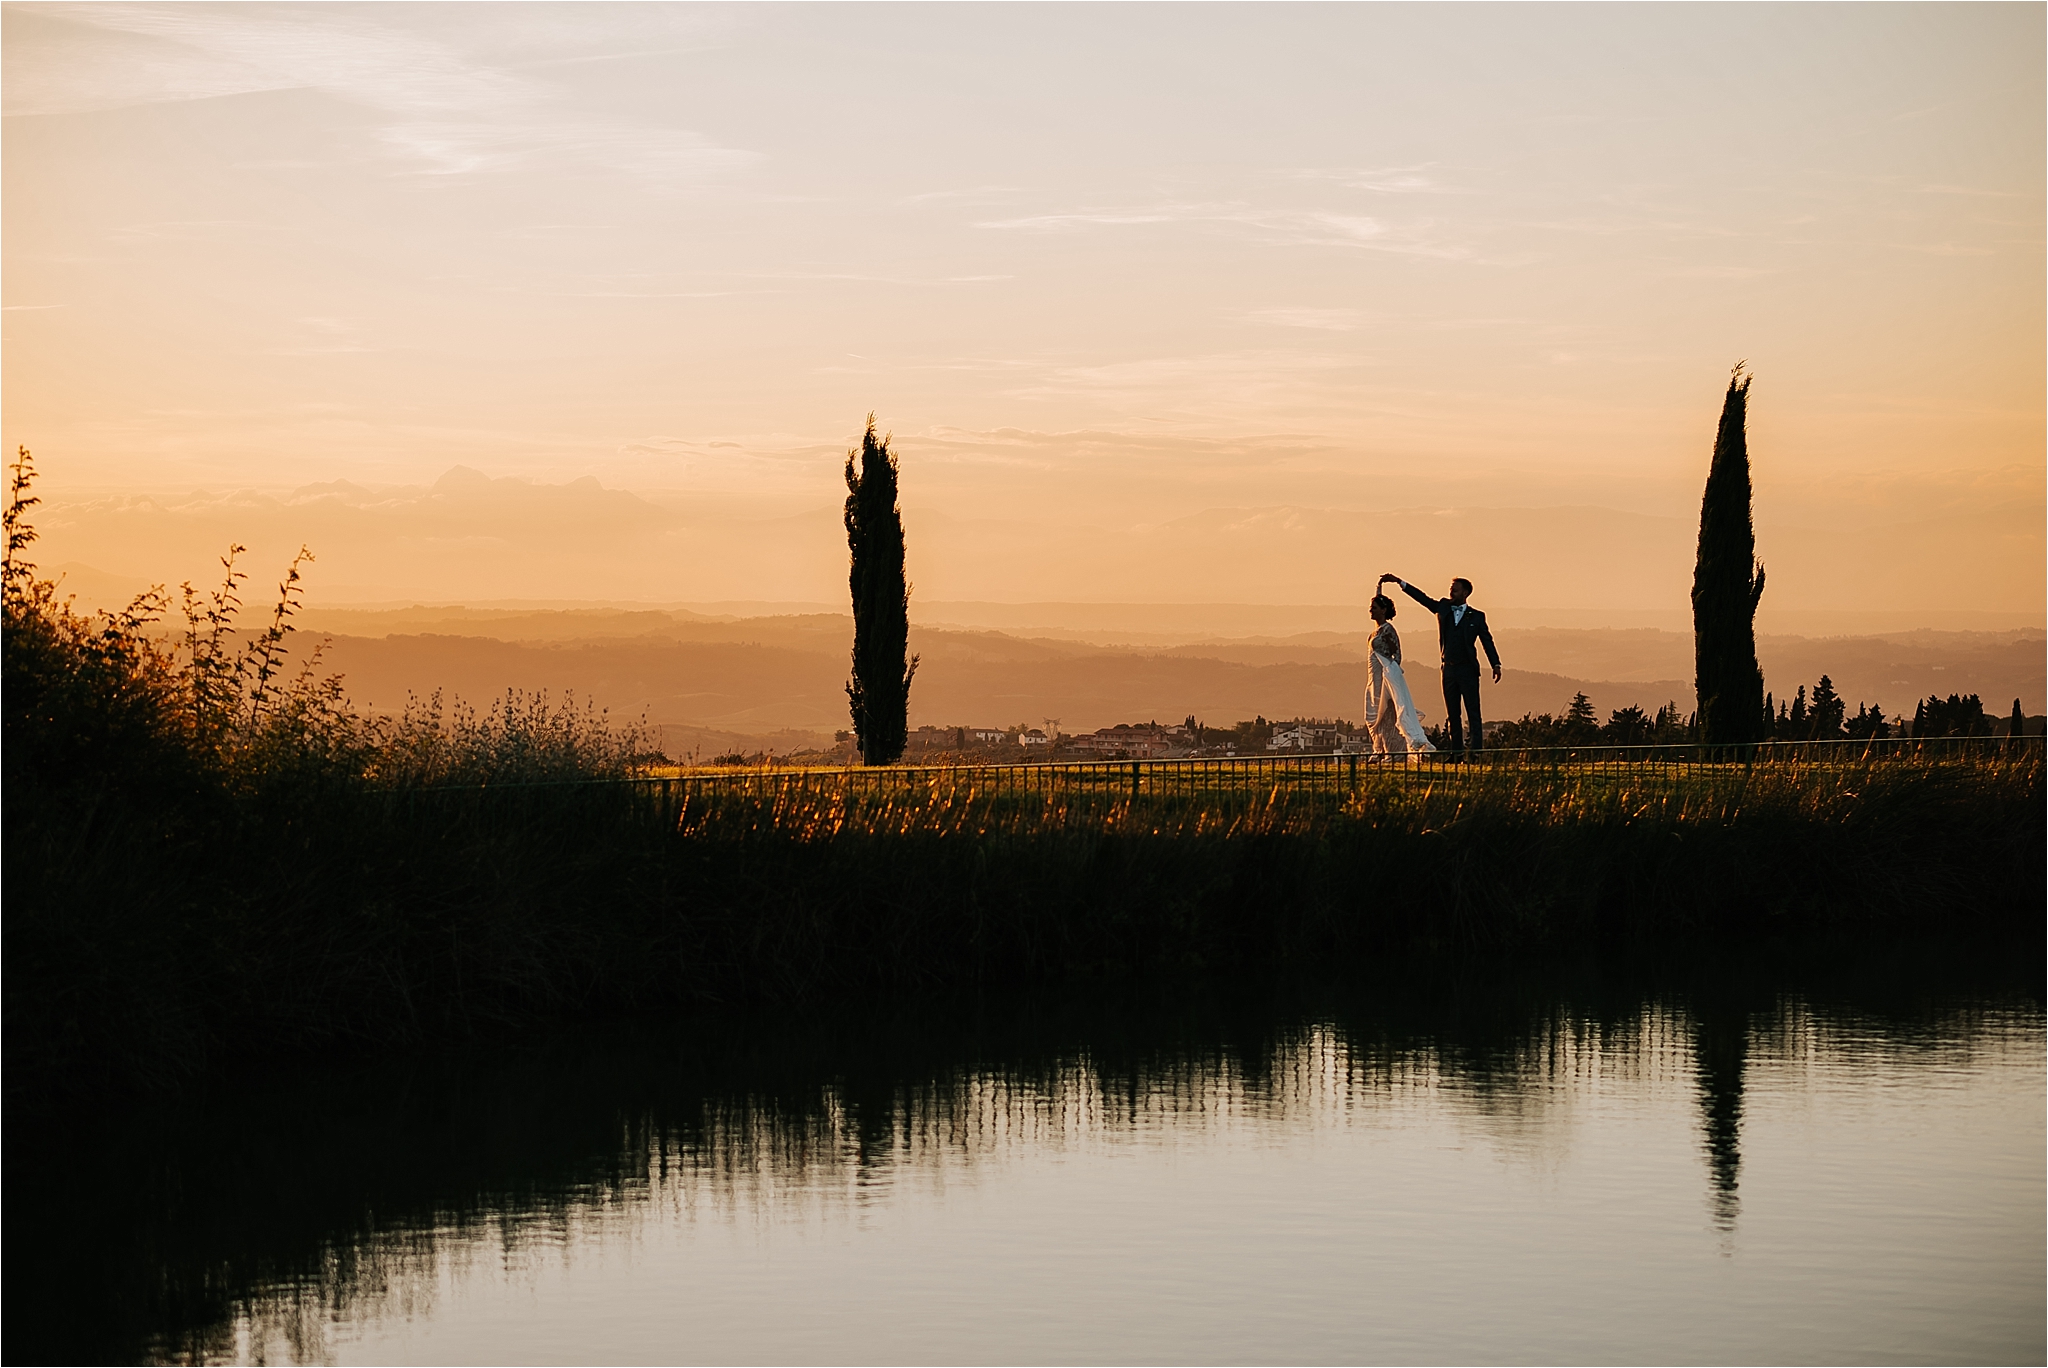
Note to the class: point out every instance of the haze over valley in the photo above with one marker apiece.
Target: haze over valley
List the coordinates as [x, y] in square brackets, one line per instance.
[713, 682]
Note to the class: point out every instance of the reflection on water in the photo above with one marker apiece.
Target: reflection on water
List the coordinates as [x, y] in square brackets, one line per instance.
[1720, 1048]
[1448, 1168]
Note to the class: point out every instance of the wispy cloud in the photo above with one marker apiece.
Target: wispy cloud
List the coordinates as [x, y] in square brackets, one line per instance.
[1946, 249]
[1280, 227]
[978, 193]
[1722, 272]
[184, 230]
[448, 113]
[290, 48]
[1095, 450]
[1193, 392]
[1973, 190]
[333, 337]
[337, 349]
[1623, 222]
[642, 294]
[655, 155]
[592, 58]
[1113, 218]
[1384, 180]
[863, 278]
[981, 364]
[771, 460]
[1325, 320]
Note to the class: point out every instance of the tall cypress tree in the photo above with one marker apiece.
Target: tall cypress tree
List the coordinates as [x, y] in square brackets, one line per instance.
[1727, 585]
[879, 691]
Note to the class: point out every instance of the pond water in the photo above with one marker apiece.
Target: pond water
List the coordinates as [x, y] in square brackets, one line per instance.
[1510, 1165]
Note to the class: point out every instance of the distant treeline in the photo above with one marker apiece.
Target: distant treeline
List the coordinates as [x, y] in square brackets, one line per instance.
[1824, 716]
[1581, 726]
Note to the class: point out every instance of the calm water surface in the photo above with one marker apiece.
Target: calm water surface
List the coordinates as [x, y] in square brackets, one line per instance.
[1439, 1169]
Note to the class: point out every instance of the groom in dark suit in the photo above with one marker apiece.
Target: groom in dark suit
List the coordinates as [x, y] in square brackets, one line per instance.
[1460, 629]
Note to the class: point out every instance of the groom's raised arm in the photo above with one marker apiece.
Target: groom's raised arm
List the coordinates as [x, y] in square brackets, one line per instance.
[1425, 600]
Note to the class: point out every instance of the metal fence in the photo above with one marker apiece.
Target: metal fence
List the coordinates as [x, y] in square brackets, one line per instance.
[1291, 787]
[1343, 773]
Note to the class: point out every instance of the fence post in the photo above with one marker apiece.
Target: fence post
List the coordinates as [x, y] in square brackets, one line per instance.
[1134, 781]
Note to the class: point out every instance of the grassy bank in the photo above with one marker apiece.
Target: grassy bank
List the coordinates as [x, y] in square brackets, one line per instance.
[350, 915]
[212, 861]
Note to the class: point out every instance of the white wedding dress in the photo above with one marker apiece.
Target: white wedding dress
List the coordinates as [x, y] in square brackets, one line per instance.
[1389, 708]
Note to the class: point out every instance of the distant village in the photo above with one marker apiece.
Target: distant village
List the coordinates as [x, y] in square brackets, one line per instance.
[1142, 740]
[1824, 717]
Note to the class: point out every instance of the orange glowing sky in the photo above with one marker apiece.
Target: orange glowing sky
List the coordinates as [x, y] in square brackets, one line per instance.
[1206, 303]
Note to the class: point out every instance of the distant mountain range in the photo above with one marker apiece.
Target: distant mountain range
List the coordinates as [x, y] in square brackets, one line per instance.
[716, 682]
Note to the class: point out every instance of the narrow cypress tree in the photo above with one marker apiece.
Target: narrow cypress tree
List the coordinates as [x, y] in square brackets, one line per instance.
[1727, 585]
[879, 691]
[2016, 726]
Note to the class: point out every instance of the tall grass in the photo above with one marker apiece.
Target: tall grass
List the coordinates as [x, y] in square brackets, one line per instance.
[126, 702]
[1809, 785]
[213, 861]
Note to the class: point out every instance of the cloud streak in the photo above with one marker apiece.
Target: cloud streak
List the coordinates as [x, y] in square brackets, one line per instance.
[1277, 227]
[447, 113]
[1322, 320]
[1390, 180]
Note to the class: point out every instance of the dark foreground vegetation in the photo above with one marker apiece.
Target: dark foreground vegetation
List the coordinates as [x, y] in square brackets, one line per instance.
[211, 860]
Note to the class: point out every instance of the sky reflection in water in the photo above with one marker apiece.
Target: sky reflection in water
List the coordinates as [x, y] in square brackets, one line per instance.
[1675, 1183]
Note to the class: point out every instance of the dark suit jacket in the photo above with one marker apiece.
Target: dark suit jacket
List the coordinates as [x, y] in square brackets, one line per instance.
[1459, 640]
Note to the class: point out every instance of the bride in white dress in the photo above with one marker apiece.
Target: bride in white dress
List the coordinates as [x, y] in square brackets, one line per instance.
[1389, 707]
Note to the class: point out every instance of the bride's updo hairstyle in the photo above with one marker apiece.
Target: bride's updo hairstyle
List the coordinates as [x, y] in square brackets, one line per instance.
[1381, 607]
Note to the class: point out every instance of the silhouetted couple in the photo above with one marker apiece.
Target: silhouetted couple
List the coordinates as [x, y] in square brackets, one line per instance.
[1389, 707]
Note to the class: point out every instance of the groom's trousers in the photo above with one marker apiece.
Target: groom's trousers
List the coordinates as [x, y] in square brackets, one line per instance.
[1461, 694]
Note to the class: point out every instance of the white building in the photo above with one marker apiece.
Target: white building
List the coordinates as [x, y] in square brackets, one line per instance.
[1144, 742]
[1294, 738]
[1307, 736]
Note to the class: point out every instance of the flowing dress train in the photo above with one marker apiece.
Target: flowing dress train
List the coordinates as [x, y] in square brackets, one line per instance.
[1389, 708]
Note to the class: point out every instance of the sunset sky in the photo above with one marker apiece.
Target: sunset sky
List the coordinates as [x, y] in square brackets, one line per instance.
[1211, 303]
